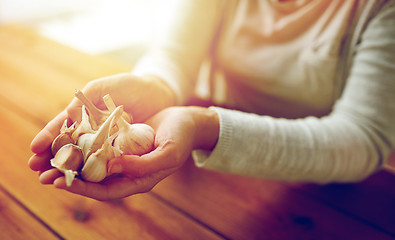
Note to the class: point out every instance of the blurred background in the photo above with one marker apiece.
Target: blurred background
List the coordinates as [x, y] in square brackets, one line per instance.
[119, 29]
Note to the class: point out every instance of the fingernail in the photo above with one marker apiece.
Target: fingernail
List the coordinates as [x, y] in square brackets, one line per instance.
[116, 168]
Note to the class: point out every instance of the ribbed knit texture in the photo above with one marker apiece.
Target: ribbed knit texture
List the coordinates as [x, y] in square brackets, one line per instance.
[347, 144]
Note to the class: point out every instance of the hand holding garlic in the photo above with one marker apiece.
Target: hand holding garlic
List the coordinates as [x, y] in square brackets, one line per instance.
[141, 96]
[84, 149]
[178, 130]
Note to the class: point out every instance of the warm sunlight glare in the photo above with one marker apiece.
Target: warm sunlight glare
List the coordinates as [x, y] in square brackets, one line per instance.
[91, 26]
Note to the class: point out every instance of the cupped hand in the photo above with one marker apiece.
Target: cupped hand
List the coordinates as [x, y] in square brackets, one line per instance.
[179, 130]
[141, 97]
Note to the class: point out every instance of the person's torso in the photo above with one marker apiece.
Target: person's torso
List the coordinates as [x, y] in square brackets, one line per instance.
[279, 57]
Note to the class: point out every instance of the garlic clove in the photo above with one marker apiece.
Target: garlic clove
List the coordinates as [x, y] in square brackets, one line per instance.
[85, 143]
[63, 138]
[95, 168]
[134, 139]
[69, 160]
[91, 142]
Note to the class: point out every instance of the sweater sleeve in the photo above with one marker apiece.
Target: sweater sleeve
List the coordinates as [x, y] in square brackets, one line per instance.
[182, 41]
[347, 145]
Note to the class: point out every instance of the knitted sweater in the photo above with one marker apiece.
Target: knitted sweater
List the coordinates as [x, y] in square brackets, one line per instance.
[344, 141]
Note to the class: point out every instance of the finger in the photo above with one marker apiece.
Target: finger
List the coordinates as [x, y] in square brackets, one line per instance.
[117, 188]
[40, 162]
[74, 110]
[44, 138]
[160, 159]
[114, 188]
[48, 177]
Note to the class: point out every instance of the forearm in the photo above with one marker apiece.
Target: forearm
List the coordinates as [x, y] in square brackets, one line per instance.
[332, 149]
[347, 145]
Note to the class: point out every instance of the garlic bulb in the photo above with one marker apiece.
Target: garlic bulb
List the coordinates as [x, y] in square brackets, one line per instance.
[87, 147]
[69, 160]
[65, 137]
[134, 139]
[98, 116]
[91, 142]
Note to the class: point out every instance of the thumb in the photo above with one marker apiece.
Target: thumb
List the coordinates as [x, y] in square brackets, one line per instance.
[43, 140]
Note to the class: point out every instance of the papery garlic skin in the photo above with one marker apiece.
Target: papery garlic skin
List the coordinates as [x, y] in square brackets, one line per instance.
[83, 127]
[134, 139]
[69, 160]
[65, 137]
[60, 141]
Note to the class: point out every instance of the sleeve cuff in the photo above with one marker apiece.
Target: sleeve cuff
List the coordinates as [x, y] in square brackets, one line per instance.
[216, 159]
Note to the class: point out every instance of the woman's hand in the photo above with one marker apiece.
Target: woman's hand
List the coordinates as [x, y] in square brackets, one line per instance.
[141, 97]
[179, 130]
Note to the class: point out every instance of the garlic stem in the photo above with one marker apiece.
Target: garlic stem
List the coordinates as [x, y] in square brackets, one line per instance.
[111, 107]
[69, 175]
[109, 102]
[98, 116]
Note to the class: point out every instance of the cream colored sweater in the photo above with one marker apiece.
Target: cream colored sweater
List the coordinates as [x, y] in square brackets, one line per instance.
[316, 76]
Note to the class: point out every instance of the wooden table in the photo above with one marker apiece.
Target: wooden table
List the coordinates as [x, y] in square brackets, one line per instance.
[37, 79]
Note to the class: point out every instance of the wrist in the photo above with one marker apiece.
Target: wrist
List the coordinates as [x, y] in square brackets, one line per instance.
[207, 128]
